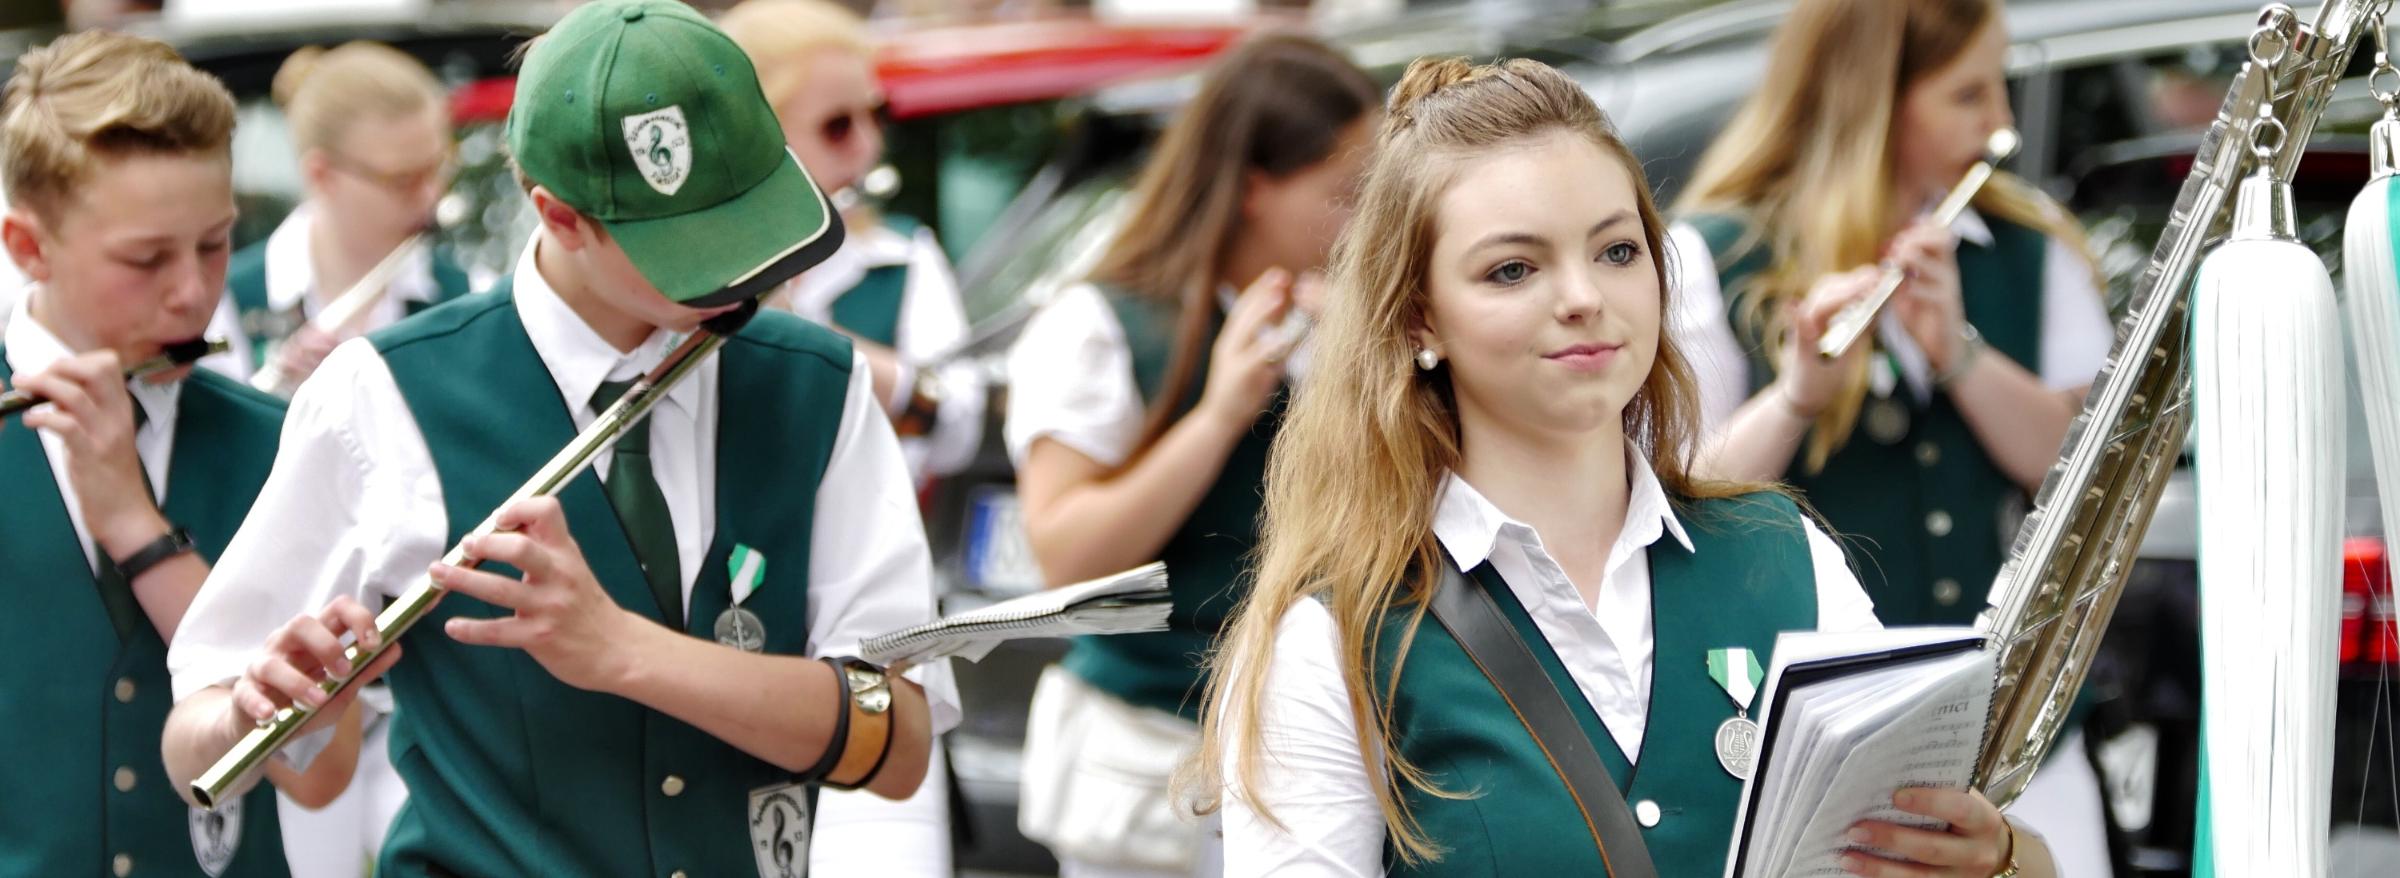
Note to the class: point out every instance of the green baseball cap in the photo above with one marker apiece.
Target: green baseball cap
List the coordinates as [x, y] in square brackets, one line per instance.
[645, 117]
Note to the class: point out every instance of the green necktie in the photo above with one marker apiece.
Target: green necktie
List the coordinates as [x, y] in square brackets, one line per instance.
[116, 594]
[642, 508]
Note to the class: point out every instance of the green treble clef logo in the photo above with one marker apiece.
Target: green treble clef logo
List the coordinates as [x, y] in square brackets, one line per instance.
[659, 156]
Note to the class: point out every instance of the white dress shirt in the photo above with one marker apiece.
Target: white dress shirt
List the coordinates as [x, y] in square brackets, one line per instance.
[1070, 379]
[932, 321]
[2076, 331]
[354, 505]
[32, 348]
[1322, 791]
[292, 283]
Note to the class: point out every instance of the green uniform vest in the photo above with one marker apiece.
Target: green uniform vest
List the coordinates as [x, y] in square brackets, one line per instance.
[82, 708]
[871, 310]
[1207, 558]
[511, 772]
[246, 281]
[1924, 511]
[1747, 578]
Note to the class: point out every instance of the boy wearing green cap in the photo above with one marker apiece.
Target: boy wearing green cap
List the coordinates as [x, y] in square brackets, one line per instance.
[627, 689]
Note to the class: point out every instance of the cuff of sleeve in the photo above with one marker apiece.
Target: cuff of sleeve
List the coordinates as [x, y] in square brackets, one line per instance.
[941, 694]
[904, 386]
[301, 751]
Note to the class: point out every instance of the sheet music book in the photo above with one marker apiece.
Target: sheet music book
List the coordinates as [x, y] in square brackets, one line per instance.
[1132, 602]
[1848, 719]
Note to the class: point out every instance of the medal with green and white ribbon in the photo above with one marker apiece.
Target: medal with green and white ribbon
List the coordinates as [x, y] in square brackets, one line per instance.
[737, 627]
[1736, 670]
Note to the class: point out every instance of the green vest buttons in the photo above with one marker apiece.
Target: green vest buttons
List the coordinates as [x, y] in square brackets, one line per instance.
[1946, 591]
[125, 778]
[1646, 812]
[124, 690]
[672, 786]
[123, 865]
[1937, 523]
[1928, 453]
[678, 874]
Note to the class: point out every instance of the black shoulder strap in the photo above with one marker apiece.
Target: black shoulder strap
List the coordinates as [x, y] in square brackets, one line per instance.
[1474, 620]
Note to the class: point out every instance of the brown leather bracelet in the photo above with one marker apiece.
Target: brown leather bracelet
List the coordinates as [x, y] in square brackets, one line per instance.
[870, 739]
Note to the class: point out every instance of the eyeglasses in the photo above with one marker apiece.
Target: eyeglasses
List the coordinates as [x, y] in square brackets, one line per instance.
[842, 126]
[414, 180]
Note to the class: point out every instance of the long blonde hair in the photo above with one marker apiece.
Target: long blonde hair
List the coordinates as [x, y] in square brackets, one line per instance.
[1353, 476]
[1808, 161]
[1276, 105]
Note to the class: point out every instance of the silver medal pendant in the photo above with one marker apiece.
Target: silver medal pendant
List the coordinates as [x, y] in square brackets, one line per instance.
[741, 629]
[1886, 420]
[1737, 745]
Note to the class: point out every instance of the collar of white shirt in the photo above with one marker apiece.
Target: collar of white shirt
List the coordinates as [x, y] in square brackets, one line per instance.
[1469, 526]
[577, 357]
[1972, 229]
[32, 347]
[291, 275]
[866, 249]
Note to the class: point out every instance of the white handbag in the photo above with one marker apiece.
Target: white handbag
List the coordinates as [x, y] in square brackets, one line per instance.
[1096, 777]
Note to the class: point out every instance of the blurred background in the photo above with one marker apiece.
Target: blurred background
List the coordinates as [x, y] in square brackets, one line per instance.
[1014, 126]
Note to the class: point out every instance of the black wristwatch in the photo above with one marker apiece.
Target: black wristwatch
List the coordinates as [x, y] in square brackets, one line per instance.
[168, 545]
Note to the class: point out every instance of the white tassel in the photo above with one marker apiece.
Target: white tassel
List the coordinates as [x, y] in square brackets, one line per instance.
[2266, 354]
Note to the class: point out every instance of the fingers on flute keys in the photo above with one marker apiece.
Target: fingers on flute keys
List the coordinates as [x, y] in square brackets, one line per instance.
[305, 652]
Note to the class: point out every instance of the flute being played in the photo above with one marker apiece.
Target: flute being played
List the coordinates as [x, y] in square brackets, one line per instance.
[343, 315]
[626, 413]
[1853, 320]
[176, 355]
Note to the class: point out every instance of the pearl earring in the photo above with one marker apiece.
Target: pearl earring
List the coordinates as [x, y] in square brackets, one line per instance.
[1427, 359]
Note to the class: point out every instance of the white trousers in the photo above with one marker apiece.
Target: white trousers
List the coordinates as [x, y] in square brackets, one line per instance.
[860, 833]
[343, 838]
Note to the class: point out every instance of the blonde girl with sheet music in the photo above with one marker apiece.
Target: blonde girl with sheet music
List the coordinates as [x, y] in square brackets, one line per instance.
[1493, 397]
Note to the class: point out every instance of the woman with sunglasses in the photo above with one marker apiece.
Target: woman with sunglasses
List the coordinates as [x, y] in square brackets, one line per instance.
[372, 130]
[890, 287]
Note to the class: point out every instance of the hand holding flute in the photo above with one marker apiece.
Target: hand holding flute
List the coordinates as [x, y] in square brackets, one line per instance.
[1854, 321]
[82, 400]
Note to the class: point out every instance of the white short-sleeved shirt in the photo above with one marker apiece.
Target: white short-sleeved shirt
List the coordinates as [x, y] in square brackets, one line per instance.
[933, 319]
[292, 284]
[1070, 379]
[1323, 793]
[2076, 331]
[354, 505]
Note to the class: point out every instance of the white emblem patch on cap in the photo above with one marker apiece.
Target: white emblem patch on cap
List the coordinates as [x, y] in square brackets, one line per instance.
[216, 836]
[662, 148]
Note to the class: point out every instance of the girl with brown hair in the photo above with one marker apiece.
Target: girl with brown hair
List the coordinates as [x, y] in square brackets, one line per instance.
[1495, 409]
[1923, 446]
[1140, 410]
